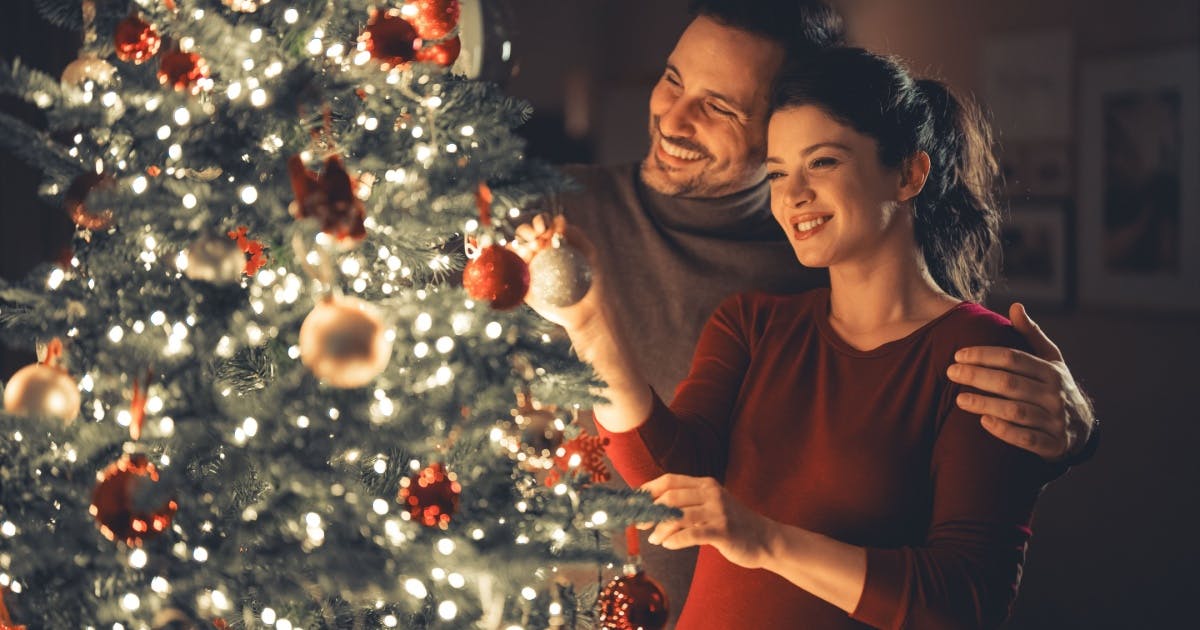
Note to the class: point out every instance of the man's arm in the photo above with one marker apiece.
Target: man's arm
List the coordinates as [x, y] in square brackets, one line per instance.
[1037, 404]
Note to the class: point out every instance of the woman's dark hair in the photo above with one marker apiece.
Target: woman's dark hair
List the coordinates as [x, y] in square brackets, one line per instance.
[956, 217]
[800, 26]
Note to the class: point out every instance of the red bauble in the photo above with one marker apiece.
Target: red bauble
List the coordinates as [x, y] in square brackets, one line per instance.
[328, 197]
[633, 602]
[128, 504]
[498, 276]
[76, 197]
[430, 496]
[135, 40]
[436, 18]
[184, 71]
[390, 38]
[442, 54]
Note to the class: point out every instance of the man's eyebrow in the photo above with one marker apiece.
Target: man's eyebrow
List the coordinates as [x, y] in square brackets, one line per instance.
[742, 109]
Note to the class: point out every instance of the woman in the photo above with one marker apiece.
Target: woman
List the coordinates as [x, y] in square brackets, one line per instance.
[815, 449]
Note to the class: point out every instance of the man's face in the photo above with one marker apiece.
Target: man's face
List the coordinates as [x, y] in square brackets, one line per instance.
[708, 112]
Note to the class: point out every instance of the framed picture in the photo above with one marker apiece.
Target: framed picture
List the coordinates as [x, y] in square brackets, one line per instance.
[1139, 181]
[1037, 169]
[1035, 265]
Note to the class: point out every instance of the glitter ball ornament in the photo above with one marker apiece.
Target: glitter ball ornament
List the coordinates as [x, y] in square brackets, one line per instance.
[129, 503]
[430, 496]
[498, 276]
[213, 259]
[443, 53]
[436, 18]
[344, 343]
[82, 77]
[75, 201]
[390, 38]
[135, 40]
[633, 601]
[329, 198]
[559, 275]
[184, 71]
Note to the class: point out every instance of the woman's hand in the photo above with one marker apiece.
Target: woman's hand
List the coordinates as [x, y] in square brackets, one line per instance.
[711, 516]
[532, 237]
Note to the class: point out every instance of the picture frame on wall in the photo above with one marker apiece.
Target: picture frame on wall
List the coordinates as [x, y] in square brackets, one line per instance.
[1139, 181]
[1036, 263]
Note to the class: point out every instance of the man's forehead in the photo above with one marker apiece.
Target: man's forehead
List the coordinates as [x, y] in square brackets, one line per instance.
[727, 60]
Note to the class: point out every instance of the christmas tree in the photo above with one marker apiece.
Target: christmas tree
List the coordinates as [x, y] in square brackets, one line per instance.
[267, 393]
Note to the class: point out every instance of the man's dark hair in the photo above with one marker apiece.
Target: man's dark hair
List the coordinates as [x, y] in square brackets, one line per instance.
[800, 26]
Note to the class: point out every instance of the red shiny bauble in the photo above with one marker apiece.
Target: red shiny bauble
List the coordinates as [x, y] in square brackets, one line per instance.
[633, 602]
[76, 197]
[128, 503]
[443, 54]
[498, 276]
[430, 496]
[135, 40]
[390, 38]
[436, 18]
[328, 197]
[184, 71]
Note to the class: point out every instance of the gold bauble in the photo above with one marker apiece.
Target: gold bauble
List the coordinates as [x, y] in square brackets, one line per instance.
[41, 390]
[344, 343]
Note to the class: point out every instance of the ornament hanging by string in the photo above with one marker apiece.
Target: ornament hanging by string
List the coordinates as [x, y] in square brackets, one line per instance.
[430, 496]
[584, 454]
[344, 342]
[184, 71]
[495, 274]
[129, 503]
[389, 38]
[135, 40]
[330, 198]
[559, 274]
[75, 201]
[89, 72]
[254, 252]
[6, 622]
[633, 601]
[214, 259]
[44, 389]
[137, 406]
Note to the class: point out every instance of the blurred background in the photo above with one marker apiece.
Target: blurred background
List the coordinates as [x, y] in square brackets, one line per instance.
[1096, 106]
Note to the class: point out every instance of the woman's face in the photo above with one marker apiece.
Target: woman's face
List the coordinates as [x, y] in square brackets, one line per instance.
[833, 197]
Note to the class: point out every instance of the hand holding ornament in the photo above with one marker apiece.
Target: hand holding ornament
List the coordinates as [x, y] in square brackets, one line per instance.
[565, 287]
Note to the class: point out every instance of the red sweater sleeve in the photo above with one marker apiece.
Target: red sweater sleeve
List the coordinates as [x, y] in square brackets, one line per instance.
[691, 436]
[965, 574]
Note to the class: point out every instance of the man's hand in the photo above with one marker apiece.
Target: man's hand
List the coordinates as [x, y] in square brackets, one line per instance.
[711, 516]
[1038, 406]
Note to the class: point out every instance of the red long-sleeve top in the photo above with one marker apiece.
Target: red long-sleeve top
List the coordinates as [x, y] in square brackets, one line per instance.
[867, 447]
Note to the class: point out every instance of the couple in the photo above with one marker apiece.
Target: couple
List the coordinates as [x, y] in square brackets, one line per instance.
[826, 450]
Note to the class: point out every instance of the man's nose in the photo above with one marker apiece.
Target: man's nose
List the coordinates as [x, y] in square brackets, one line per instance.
[677, 121]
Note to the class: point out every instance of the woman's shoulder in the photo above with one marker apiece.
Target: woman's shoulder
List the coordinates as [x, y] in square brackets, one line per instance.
[972, 324]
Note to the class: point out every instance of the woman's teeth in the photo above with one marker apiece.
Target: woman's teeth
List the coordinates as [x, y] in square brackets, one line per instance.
[810, 224]
[677, 152]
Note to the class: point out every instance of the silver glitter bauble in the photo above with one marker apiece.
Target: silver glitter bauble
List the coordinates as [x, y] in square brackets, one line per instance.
[214, 259]
[559, 276]
[42, 390]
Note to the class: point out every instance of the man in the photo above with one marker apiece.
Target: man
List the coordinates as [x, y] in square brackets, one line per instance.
[691, 224]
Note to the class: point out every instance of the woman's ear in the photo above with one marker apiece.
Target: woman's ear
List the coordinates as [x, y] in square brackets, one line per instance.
[913, 173]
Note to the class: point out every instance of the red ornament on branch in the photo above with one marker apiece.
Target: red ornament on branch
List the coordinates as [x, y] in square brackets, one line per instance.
[435, 19]
[76, 197]
[328, 197]
[442, 53]
[430, 496]
[390, 38]
[498, 276]
[128, 503]
[6, 622]
[135, 40]
[184, 71]
[584, 453]
[633, 601]
[255, 251]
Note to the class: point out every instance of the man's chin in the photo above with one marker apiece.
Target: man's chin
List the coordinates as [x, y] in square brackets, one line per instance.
[664, 180]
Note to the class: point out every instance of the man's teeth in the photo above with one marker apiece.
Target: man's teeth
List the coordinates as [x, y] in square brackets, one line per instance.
[677, 152]
[810, 224]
